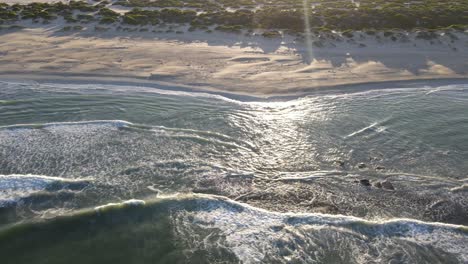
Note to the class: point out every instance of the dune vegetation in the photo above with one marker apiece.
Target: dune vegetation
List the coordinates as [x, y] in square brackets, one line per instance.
[233, 16]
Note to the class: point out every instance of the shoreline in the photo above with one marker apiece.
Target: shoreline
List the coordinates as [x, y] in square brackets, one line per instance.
[142, 82]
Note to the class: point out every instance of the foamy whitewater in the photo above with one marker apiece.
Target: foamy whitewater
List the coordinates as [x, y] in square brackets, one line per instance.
[125, 174]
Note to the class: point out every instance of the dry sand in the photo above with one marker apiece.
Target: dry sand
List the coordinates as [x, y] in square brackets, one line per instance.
[223, 62]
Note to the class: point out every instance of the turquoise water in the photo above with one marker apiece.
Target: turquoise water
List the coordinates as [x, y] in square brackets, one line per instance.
[220, 180]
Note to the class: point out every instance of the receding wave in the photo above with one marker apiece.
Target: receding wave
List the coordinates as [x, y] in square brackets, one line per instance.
[170, 132]
[116, 123]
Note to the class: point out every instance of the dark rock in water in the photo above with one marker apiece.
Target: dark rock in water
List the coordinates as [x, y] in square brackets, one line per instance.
[365, 182]
[362, 165]
[380, 168]
[277, 228]
[323, 207]
[340, 162]
[318, 44]
[378, 185]
[387, 185]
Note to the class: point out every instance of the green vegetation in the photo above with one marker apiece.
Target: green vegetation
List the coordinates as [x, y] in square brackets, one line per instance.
[199, 4]
[236, 15]
[36, 11]
[141, 17]
[271, 34]
[108, 16]
[340, 14]
[348, 34]
[231, 29]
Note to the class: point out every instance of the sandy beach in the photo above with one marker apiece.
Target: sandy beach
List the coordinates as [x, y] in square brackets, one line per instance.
[224, 62]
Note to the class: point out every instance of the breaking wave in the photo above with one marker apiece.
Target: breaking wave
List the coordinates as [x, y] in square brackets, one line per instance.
[14, 188]
[217, 229]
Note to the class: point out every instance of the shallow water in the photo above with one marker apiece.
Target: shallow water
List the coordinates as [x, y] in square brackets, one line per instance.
[67, 148]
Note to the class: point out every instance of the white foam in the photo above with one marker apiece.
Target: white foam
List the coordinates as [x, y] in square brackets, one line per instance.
[311, 175]
[173, 89]
[374, 126]
[117, 123]
[255, 235]
[17, 186]
[26, 181]
[461, 188]
[132, 202]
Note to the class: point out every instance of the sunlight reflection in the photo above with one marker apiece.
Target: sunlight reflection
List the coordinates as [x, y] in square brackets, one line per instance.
[308, 33]
[285, 131]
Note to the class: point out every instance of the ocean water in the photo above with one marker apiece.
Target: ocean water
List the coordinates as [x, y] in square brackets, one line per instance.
[129, 174]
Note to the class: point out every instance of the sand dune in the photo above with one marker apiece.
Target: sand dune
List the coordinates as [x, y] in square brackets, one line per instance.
[224, 62]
